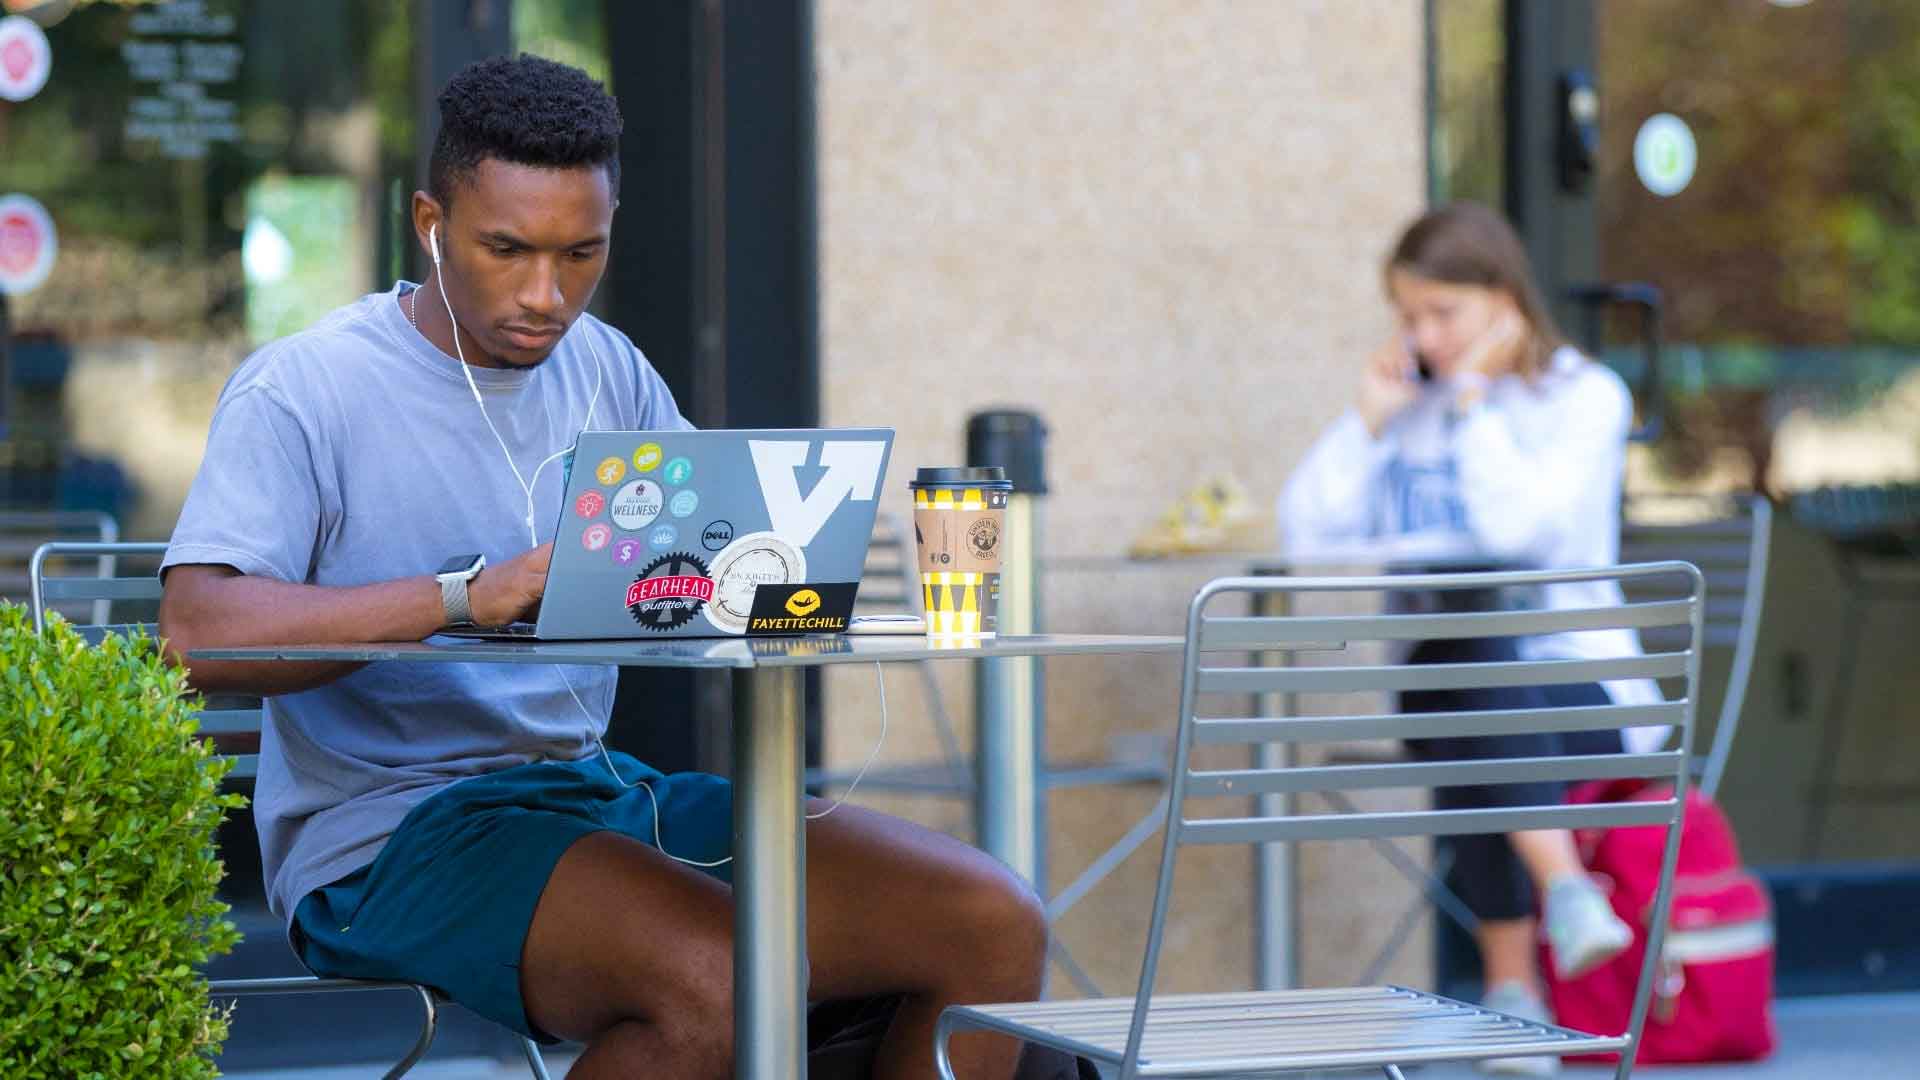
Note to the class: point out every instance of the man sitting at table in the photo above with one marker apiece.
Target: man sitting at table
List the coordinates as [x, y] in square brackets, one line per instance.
[458, 825]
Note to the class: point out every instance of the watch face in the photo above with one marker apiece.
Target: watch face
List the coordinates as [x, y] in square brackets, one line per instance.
[459, 564]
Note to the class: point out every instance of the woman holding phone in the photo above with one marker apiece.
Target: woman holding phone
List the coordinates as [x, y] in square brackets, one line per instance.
[1478, 429]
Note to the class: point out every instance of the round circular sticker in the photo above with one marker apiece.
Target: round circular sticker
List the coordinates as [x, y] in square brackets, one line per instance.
[669, 592]
[647, 458]
[25, 58]
[753, 560]
[636, 505]
[718, 534]
[663, 536]
[609, 471]
[596, 536]
[677, 472]
[589, 504]
[626, 550]
[684, 503]
[28, 244]
[1665, 155]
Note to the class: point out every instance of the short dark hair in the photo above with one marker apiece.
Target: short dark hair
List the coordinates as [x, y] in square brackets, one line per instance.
[526, 110]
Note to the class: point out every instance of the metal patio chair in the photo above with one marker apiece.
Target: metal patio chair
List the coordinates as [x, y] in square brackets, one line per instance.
[1381, 1027]
[1731, 549]
[77, 572]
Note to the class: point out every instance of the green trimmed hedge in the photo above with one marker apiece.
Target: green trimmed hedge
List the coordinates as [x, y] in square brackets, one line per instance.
[108, 805]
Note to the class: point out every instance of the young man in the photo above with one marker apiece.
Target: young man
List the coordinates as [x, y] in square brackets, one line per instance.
[455, 825]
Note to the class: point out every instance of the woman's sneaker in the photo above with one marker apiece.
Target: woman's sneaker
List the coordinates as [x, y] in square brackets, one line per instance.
[1519, 1000]
[1582, 927]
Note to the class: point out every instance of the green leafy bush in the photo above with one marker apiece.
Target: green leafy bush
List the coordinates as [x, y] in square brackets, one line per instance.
[108, 805]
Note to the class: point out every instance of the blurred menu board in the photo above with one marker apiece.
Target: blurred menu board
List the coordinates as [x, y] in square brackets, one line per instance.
[187, 58]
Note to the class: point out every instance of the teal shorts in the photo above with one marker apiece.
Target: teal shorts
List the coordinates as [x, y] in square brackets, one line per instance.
[448, 901]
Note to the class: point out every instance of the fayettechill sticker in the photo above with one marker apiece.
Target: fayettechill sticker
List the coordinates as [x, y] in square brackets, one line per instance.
[819, 608]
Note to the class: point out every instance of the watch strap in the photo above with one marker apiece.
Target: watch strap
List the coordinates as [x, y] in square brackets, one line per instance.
[457, 609]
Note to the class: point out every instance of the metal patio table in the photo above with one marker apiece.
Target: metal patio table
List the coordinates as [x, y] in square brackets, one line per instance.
[770, 964]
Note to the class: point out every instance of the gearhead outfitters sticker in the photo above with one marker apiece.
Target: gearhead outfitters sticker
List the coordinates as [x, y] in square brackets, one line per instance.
[669, 592]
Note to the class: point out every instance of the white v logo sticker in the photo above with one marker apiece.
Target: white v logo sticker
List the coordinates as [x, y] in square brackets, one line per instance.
[853, 471]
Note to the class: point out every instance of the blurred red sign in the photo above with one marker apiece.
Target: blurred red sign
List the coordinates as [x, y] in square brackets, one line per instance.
[28, 244]
[25, 58]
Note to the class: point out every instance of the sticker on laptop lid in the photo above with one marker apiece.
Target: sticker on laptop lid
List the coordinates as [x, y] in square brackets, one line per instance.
[670, 592]
[627, 550]
[753, 560]
[636, 505]
[820, 608]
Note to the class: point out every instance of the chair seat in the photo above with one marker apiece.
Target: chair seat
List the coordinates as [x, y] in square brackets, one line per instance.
[1283, 1030]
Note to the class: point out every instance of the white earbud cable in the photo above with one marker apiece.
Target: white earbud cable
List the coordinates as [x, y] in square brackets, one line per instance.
[526, 487]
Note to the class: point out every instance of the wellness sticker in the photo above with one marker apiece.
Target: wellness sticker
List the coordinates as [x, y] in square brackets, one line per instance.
[636, 505]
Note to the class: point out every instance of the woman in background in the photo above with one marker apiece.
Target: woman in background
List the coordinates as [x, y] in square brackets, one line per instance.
[1479, 429]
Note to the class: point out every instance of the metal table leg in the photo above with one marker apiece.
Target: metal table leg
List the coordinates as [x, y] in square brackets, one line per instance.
[769, 877]
[1276, 865]
[1010, 809]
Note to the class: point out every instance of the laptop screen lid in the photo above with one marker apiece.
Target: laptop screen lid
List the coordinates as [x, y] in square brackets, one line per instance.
[713, 533]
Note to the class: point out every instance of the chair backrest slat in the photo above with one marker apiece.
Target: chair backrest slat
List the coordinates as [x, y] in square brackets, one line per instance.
[1302, 680]
[1430, 774]
[1239, 632]
[230, 721]
[1424, 823]
[1308, 729]
[101, 589]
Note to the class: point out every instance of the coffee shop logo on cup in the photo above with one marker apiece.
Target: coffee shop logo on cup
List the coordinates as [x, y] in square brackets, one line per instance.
[983, 537]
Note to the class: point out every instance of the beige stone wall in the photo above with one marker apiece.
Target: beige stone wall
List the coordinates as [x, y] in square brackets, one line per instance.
[1157, 224]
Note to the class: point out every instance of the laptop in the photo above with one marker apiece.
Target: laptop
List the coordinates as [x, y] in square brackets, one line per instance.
[678, 534]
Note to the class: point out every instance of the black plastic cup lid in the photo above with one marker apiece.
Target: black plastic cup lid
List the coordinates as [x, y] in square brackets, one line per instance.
[973, 476]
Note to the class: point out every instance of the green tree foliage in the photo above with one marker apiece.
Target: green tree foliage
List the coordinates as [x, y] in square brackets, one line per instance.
[108, 805]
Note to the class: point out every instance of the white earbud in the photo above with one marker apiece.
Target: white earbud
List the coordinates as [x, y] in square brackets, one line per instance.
[433, 242]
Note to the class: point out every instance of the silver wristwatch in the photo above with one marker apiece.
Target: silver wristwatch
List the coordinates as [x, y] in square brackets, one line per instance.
[453, 576]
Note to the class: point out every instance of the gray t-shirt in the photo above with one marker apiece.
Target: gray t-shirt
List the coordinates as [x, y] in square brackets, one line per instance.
[353, 452]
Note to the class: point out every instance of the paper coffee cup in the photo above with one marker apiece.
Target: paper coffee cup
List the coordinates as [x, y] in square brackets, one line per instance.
[959, 521]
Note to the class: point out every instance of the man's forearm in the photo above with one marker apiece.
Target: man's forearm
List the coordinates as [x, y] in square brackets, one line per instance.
[235, 609]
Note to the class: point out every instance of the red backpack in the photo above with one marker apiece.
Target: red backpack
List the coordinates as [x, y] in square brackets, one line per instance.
[1713, 991]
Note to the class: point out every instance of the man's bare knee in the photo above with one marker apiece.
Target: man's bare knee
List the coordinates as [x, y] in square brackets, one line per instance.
[1007, 931]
